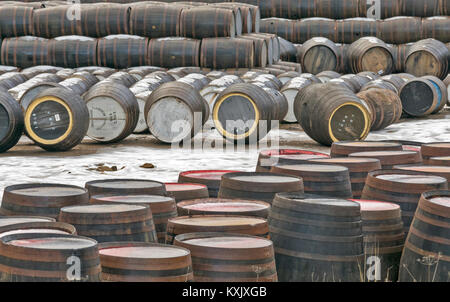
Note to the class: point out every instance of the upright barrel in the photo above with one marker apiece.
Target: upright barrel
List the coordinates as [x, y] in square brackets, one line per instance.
[223, 206]
[186, 191]
[343, 149]
[388, 159]
[125, 187]
[442, 171]
[210, 178]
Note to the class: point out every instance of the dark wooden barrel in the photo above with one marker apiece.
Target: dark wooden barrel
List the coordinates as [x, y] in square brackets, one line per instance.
[319, 54]
[162, 208]
[399, 51]
[175, 112]
[249, 225]
[434, 150]
[49, 227]
[8, 223]
[442, 171]
[385, 106]
[258, 185]
[395, 80]
[16, 21]
[120, 77]
[399, 30]
[389, 159]
[79, 83]
[305, 29]
[401, 187]
[384, 238]
[144, 262]
[54, 22]
[245, 12]
[290, 91]
[155, 21]
[327, 75]
[425, 257]
[439, 161]
[186, 191]
[436, 28]
[43, 257]
[281, 27]
[379, 84]
[24, 52]
[223, 206]
[427, 57]
[227, 257]
[441, 91]
[57, 119]
[72, 51]
[41, 199]
[122, 51]
[271, 157]
[358, 169]
[420, 8]
[219, 53]
[337, 9]
[210, 178]
[355, 82]
[316, 239]
[345, 116]
[255, 14]
[343, 149]
[174, 52]
[386, 9]
[20, 91]
[113, 111]
[11, 122]
[98, 20]
[111, 222]
[206, 22]
[11, 79]
[125, 187]
[370, 54]
[350, 30]
[288, 51]
[243, 112]
[326, 180]
[421, 97]
[260, 50]
[270, 42]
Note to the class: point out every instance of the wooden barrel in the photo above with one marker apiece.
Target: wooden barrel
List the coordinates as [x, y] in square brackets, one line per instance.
[425, 257]
[270, 43]
[33, 71]
[48, 227]
[255, 15]
[24, 52]
[120, 77]
[389, 159]
[316, 239]
[20, 91]
[223, 206]
[358, 169]
[113, 111]
[343, 149]
[442, 171]
[319, 54]
[399, 52]
[48, 258]
[16, 21]
[125, 187]
[344, 116]
[57, 119]
[441, 90]
[395, 80]
[305, 29]
[434, 150]
[210, 178]
[226, 257]
[260, 50]
[288, 51]
[175, 112]
[162, 208]
[270, 157]
[337, 9]
[155, 21]
[370, 54]
[439, 161]
[420, 8]
[11, 122]
[269, 80]
[219, 53]
[11, 79]
[111, 222]
[436, 28]
[173, 52]
[248, 225]
[385, 106]
[122, 51]
[399, 30]
[196, 80]
[280, 104]
[258, 185]
[421, 97]
[221, 22]
[186, 191]
[72, 51]
[139, 72]
[401, 187]
[79, 82]
[40, 199]
[144, 262]
[326, 180]
[384, 238]
[379, 84]
[54, 22]
[427, 57]
[350, 30]
[8, 223]
[239, 16]
[355, 82]
[287, 76]
[98, 20]
[281, 27]
[327, 75]
[212, 90]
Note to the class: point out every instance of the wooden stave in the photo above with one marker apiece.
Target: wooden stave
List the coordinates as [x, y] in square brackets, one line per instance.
[189, 58]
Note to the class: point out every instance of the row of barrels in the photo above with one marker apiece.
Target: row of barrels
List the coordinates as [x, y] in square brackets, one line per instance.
[397, 30]
[123, 51]
[149, 19]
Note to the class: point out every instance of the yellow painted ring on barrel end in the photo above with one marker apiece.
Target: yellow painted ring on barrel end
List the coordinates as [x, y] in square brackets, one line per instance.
[30, 109]
[219, 125]
[365, 113]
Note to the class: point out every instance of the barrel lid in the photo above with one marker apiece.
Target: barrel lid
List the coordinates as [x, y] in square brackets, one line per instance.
[229, 242]
[207, 174]
[223, 205]
[438, 145]
[314, 168]
[265, 178]
[124, 183]
[441, 158]
[102, 208]
[375, 205]
[135, 199]
[429, 169]
[34, 230]
[382, 153]
[217, 220]
[348, 160]
[171, 187]
[145, 252]
[54, 243]
[53, 190]
[366, 144]
[281, 152]
[412, 179]
[441, 200]
[4, 221]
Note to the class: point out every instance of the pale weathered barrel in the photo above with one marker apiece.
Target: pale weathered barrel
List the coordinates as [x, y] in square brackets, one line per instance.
[41, 199]
[316, 239]
[11, 122]
[425, 257]
[122, 51]
[229, 257]
[24, 52]
[327, 75]
[427, 57]
[125, 187]
[210, 178]
[155, 21]
[389, 159]
[144, 262]
[343, 149]
[370, 54]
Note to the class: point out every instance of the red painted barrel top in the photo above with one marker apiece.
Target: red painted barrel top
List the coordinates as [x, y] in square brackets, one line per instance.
[375, 205]
[226, 206]
[54, 243]
[144, 199]
[411, 179]
[230, 242]
[177, 187]
[144, 252]
[207, 174]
